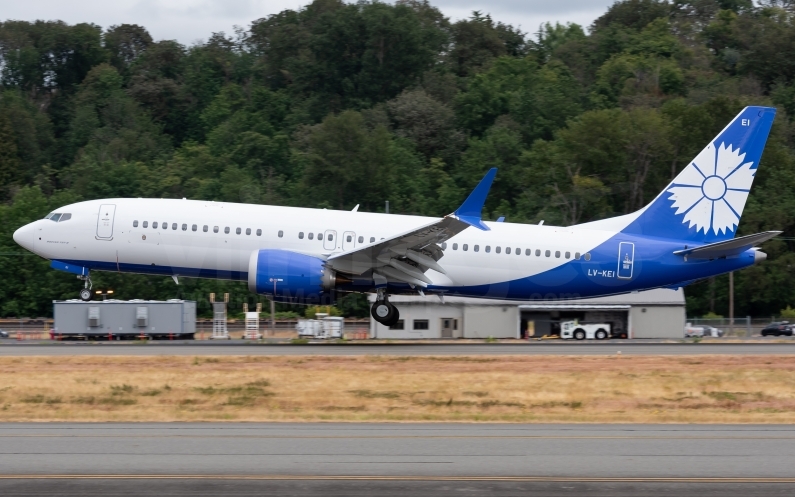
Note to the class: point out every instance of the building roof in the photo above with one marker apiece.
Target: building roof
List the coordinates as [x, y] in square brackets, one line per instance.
[658, 296]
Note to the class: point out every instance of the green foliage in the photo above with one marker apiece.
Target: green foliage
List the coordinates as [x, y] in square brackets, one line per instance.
[787, 313]
[337, 104]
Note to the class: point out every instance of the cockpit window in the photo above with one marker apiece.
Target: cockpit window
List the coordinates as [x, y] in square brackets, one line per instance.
[65, 217]
[55, 217]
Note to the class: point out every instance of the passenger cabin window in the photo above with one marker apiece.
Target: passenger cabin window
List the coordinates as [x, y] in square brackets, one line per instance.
[135, 224]
[301, 235]
[146, 223]
[361, 239]
[547, 253]
[238, 231]
[587, 256]
[184, 227]
[330, 237]
[248, 231]
[568, 255]
[164, 226]
[476, 248]
[349, 238]
[444, 246]
[508, 250]
[557, 254]
[527, 251]
[259, 232]
[154, 225]
[497, 249]
[538, 253]
[215, 229]
[174, 226]
[311, 236]
[65, 217]
[465, 247]
[455, 246]
[226, 230]
[205, 228]
[194, 228]
[577, 255]
[488, 248]
[281, 233]
[320, 236]
[372, 239]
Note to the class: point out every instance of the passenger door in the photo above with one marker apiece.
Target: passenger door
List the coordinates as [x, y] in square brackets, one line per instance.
[626, 260]
[330, 240]
[348, 241]
[107, 212]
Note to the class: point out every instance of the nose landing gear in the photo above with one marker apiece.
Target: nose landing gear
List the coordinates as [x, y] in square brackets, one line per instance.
[85, 293]
[383, 311]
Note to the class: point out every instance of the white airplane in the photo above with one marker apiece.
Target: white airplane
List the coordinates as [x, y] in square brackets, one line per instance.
[309, 255]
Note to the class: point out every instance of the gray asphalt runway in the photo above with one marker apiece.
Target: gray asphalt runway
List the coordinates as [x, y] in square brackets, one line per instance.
[395, 459]
[532, 348]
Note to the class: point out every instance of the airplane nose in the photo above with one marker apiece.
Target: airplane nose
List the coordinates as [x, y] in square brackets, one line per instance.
[24, 236]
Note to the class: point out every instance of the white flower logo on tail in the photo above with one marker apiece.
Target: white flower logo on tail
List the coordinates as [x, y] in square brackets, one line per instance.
[711, 191]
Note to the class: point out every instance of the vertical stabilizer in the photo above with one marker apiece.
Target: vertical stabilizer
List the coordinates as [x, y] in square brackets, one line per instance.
[705, 201]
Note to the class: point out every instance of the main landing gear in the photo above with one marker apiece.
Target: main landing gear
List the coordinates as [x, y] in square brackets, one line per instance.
[85, 293]
[383, 311]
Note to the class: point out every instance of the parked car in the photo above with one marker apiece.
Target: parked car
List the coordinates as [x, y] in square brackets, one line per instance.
[782, 328]
[3, 334]
[702, 331]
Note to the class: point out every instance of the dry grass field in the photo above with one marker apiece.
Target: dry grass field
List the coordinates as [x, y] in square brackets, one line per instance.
[700, 389]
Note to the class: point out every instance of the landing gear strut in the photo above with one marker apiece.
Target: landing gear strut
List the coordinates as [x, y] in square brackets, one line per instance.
[85, 293]
[383, 311]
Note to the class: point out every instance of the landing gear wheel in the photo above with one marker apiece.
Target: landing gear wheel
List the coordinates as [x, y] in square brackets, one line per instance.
[85, 294]
[383, 312]
[395, 317]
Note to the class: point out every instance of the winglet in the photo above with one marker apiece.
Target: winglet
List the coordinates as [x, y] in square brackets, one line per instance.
[470, 211]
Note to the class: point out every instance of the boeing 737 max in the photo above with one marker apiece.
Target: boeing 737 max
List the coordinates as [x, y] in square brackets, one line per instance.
[309, 255]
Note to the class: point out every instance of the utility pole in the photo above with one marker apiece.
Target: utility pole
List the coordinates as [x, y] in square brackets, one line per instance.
[731, 303]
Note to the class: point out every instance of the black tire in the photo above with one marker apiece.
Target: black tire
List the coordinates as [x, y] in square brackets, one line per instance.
[579, 334]
[601, 334]
[383, 312]
[395, 317]
[85, 294]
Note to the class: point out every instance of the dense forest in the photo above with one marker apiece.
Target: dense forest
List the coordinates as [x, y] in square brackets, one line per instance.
[340, 104]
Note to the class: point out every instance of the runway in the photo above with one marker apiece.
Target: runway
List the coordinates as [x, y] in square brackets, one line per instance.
[395, 459]
[237, 348]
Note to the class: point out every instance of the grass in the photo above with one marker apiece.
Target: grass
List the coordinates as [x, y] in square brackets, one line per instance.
[702, 389]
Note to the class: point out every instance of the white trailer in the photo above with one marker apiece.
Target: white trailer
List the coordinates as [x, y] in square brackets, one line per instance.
[582, 331]
[323, 327]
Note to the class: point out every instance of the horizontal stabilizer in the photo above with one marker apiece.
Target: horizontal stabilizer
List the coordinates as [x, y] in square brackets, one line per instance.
[727, 248]
[471, 210]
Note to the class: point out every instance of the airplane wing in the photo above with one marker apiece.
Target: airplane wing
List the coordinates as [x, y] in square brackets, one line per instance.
[407, 256]
[727, 248]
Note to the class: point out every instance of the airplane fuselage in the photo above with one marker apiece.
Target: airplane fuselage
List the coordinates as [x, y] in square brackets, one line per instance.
[216, 240]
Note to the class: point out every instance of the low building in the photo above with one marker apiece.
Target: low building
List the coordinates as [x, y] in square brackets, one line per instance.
[658, 313]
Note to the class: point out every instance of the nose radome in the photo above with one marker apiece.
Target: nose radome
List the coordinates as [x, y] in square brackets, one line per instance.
[24, 236]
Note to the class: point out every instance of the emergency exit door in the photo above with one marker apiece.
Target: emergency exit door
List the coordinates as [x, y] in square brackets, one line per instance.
[626, 260]
[105, 221]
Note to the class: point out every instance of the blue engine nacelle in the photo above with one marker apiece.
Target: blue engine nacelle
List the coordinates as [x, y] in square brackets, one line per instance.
[290, 276]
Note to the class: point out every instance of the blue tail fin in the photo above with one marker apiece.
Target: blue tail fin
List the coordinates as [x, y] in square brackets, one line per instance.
[705, 201]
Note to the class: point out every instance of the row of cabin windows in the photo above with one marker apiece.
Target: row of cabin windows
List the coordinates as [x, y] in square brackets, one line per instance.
[518, 251]
[194, 227]
[330, 237]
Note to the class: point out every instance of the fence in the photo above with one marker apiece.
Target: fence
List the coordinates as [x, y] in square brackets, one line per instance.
[743, 327]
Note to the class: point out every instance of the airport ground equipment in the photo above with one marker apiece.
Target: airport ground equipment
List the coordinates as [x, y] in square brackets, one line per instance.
[124, 320]
[252, 323]
[220, 331]
[582, 331]
[323, 326]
